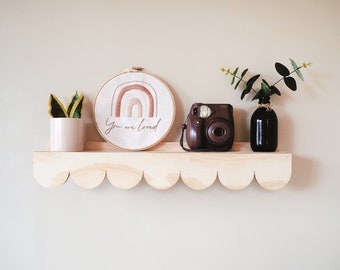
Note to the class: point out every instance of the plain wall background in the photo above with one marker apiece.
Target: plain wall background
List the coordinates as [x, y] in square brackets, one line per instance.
[63, 46]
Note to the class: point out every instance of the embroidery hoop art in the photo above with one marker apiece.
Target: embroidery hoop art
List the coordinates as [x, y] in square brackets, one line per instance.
[134, 110]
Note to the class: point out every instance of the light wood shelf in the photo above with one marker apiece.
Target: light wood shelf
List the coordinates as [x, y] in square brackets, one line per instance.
[162, 167]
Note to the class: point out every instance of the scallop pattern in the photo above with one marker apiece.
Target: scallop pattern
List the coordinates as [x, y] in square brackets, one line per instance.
[162, 170]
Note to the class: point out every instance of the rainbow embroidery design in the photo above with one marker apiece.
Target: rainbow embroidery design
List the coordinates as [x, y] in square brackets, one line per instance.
[134, 99]
[134, 110]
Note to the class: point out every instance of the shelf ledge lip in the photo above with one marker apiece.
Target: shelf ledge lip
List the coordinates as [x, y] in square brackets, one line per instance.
[162, 167]
[238, 147]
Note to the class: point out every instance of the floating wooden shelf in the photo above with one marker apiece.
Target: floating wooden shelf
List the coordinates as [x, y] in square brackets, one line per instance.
[162, 166]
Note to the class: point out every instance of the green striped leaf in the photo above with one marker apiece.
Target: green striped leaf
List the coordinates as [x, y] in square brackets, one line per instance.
[77, 107]
[71, 103]
[56, 109]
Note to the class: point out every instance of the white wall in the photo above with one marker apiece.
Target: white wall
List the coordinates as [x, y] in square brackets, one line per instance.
[62, 46]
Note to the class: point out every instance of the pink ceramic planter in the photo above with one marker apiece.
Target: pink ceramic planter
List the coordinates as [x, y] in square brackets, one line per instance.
[66, 134]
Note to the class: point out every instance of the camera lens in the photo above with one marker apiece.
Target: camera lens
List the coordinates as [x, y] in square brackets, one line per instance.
[219, 132]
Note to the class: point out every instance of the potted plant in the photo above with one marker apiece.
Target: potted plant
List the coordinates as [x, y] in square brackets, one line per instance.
[264, 124]
[66, 124]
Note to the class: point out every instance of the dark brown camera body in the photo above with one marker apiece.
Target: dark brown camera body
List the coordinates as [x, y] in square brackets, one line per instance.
[210, 126]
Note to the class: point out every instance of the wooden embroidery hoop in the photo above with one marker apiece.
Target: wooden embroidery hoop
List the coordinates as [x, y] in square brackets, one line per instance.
[134, 110]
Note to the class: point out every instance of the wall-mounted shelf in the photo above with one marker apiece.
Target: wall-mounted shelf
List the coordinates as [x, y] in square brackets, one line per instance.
[162, 167]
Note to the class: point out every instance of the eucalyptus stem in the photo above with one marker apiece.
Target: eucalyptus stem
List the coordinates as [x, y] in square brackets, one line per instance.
[242, 80]
[266, 89]
[288, 75]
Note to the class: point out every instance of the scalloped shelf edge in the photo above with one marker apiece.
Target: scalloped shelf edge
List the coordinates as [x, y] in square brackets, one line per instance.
[162, 167]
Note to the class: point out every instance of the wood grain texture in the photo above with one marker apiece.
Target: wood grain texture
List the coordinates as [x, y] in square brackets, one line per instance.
[162, 167]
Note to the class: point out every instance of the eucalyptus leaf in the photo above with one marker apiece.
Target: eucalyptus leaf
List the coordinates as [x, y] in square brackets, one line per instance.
[294, 65]
[291, 83]
[281, 69]
[235, 71]
[275, 90]
[234, 75]
[296, 69]
[264, 81]
[265, 89]
[252, 80]
[258, 94]
[237, 84]
[232, 80]
[241, 78]
[244, 73]
[246, 91]
[298, 72]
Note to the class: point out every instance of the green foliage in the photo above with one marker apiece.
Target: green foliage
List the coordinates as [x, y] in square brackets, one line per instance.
[57, 110]
[266, 89]
[297, 70]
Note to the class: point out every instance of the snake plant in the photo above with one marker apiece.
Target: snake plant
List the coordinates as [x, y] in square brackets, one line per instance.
[73, 110]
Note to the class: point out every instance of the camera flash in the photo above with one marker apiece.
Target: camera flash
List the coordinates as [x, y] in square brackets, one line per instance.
[205, 111]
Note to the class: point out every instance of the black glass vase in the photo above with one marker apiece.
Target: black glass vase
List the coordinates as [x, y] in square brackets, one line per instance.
[263, 127]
